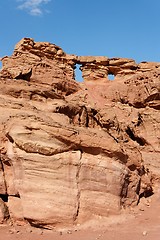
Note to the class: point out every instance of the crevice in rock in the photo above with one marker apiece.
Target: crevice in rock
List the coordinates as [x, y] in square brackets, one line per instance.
[94, 115]
[157, 107]
[124, 190]
[141, 171]
[75, 217]
[115, 139]
[137, 105]
[91, 150]
[140, 120]
[79, 115]
[111, 127]
[147, 193]
[8, 164]
[132, 167]
[138, 187]
[124, 101]
[152, 97]
[16, 195]
[70, 111]
[4, 197]
[118, 155]
[9, 137]
[24, 76]
[83, 118]
[4, 209]
[141, 141]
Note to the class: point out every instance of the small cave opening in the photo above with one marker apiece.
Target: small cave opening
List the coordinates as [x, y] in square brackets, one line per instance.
[4, 197]
[78, 73]
[146, 194]
[111, 77]
[25, 76]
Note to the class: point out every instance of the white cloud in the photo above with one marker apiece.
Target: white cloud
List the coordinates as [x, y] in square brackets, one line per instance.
[34, 7]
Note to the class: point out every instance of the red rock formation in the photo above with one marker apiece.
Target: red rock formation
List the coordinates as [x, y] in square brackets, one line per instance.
[70, 151]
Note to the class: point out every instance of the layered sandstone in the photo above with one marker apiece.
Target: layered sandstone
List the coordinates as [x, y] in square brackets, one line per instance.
[70, 151]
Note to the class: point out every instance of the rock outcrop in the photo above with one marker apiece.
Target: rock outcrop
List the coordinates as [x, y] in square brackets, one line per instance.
[72, 151]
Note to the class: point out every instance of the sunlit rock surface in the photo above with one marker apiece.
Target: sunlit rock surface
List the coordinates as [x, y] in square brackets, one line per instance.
[70, 151]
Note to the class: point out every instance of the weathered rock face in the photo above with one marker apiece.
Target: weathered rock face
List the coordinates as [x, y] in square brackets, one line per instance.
[73, 151]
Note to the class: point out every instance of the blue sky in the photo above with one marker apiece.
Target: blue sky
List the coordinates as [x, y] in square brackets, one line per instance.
[113, 28]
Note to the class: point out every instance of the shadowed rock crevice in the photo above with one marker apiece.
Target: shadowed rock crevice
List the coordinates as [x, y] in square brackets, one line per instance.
[153, 101]
[25, 76]
[137, 184]
[75, 217]
[79, 115]
[147, 193]
[4, 212]
[4, 197]
[141, 141]
[124, 190]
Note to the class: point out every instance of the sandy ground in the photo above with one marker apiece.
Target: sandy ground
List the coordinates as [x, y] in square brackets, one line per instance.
[143, 223]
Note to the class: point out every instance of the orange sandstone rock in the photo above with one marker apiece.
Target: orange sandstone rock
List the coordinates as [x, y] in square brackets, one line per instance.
[71, 152]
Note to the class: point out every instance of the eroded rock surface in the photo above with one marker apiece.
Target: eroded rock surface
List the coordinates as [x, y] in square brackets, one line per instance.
[70, 151]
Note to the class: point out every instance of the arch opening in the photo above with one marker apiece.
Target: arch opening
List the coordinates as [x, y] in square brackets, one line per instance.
[78, 73]
[111, 77]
